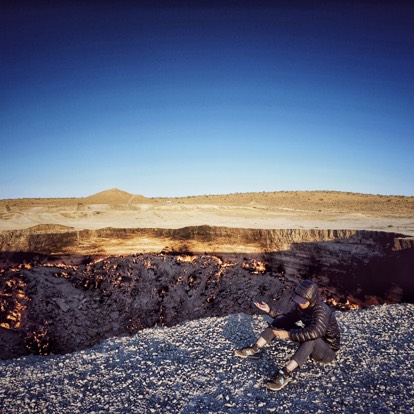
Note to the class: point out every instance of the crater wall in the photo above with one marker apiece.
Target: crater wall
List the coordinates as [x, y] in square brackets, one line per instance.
[62, 290]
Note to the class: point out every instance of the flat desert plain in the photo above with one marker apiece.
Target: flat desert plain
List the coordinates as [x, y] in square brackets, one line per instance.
[263, 210]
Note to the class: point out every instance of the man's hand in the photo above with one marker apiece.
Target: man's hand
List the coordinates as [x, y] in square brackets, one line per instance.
[281, 334]
[263, 306]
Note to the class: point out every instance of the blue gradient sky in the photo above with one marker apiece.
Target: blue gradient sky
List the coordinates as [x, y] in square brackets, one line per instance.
[216, 97]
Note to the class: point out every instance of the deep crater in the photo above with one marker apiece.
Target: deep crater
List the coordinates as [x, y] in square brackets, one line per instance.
[54, 298]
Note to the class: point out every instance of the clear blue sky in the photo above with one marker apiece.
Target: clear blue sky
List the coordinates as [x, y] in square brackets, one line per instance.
[189, 98]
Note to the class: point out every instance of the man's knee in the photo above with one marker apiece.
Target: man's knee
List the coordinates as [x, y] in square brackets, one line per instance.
[316, 349]
[322, 352]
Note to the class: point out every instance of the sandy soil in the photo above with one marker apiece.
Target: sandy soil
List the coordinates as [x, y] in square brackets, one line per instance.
[306, 209]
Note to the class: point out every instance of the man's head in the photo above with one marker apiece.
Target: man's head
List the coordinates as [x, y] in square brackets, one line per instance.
[306, 294]
[301, 301]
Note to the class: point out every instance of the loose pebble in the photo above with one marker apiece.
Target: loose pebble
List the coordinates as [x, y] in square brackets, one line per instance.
[191, 368]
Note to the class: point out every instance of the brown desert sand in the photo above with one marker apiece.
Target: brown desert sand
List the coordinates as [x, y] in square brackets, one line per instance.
[264, 210]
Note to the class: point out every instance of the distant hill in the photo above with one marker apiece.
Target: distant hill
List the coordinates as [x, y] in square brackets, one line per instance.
[282, 201]
[113, 196]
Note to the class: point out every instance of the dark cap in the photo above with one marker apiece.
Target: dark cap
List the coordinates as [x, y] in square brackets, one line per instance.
[300, 300]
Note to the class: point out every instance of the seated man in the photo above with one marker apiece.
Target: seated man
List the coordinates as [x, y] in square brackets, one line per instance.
[318, 339]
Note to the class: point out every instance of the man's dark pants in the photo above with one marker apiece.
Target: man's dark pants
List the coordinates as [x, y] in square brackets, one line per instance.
[317, 349]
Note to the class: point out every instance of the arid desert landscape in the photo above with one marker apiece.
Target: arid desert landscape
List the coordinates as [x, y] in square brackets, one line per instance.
[79, 276]
[117, 209]
[270, 210]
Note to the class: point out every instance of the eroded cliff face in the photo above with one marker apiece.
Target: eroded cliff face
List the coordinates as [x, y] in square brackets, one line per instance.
[53, 239]
[63, 290]
[343, 259]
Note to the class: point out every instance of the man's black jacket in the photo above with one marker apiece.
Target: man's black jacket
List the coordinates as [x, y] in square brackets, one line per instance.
[318, 318]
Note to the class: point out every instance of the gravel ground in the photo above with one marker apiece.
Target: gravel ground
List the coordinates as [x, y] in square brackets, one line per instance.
[190, 368]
